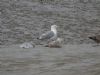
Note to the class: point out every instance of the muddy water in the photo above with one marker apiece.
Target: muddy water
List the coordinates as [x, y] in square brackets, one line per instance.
[69, 60]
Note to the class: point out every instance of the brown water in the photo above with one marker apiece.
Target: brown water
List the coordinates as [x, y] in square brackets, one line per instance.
[70, 60]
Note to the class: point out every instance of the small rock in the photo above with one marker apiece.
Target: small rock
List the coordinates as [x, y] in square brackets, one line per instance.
[55, 44]
[95, 38]
[27, 45]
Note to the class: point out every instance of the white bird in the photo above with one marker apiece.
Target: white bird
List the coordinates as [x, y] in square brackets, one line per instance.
[50, 35]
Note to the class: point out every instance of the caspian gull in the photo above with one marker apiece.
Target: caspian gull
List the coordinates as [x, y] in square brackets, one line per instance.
[50, 35]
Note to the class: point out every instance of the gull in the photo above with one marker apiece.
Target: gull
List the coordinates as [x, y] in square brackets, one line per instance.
[50, 35]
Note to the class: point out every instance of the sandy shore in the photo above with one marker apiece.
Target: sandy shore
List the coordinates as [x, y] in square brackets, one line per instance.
[81, 59]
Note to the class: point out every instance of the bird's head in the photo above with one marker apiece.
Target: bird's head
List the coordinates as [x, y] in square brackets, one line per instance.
[54, 27]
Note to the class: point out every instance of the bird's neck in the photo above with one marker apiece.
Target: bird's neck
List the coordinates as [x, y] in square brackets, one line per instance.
[54, 30]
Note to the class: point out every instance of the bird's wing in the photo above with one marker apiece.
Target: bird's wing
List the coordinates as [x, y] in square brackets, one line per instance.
[47, 35]
[53, 38]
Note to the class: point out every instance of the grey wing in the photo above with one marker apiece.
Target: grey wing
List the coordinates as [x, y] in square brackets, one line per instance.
[47, 35]
[52, 38]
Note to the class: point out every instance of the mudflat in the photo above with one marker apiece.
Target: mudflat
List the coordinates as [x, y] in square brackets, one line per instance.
[22, 20]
